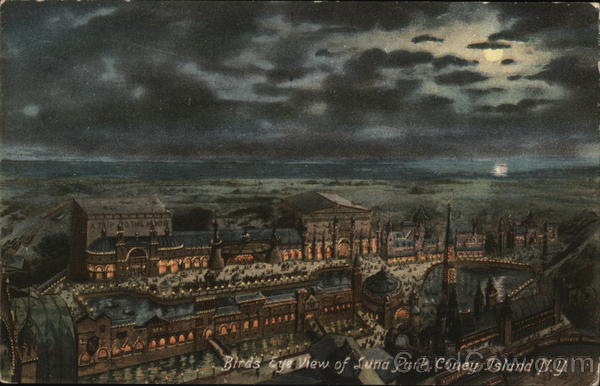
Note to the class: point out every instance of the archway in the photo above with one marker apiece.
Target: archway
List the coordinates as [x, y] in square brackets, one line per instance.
[208, 333]
[344, 248]
[138, 261]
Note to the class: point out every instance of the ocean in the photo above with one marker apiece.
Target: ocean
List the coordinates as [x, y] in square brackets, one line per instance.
[309, 169]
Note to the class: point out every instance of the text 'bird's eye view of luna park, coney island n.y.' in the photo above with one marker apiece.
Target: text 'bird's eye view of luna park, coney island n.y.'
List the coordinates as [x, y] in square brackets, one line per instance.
[299, 193]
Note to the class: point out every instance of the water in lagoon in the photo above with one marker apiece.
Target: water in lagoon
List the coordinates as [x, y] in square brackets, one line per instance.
[265, 346]
[183, 367]
[467, 280]
[342, 169]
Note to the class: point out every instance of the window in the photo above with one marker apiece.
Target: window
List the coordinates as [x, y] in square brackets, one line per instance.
[190, 335]
[255, 323]
[223, 330]
[246, 325]
[102, 354]
[162, 342]
[172, 340]
[181, 338]
[152, 344]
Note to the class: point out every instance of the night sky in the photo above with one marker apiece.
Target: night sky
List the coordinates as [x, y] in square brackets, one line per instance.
[184, 80]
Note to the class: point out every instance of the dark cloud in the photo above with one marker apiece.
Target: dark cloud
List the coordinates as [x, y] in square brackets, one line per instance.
[488, 45]
[522, 106]
[365, 66]
[558, 24]
[360, 16]
[460, 78]
[451, 60]
[269, 90]
[426, 38]
[506, 62]
[436, 100]
[568, 70]
[324, 52]
[480, 92]
[250, 79]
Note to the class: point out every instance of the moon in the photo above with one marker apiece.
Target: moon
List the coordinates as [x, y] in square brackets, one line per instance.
[492, 55]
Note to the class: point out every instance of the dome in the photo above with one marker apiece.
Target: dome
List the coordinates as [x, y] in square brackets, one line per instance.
[382, 284]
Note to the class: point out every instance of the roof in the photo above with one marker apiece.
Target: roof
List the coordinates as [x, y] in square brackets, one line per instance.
[228, 310]
[124, 205]
[377, 355]
[107, 244]
[312, 201]
[421, 215]
[471, 323]
[197, 239]
[329, 344]
[53, 328]
[249, 297]
[11, 261]
[125, 309]
[527, 306]
[333, 279]
[382, 284]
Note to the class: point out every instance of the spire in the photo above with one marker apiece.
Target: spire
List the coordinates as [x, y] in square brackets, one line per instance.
[215, 260]
[120, 237]
[215, 224]
[447, 234]
[153, 234]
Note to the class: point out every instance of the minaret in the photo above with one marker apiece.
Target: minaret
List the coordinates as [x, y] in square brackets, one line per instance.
[120, 237]
[274, 256]
[153, 234]
[356, 287]
[323, 246]
[216, 262]
[334, 237]
[447, 319]
[352, 231]
[545, 242]
[479, 301]
[303, 233]
[314, 243]
[501, 237]
[491, 295]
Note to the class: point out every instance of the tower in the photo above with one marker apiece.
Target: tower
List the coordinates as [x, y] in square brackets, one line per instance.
[352, 232]
[415, 313]
[491, 295]
[356, 287]
[216, 262]
[120, 235]
[501, 247]
[479, 301]
[545, 242]
[303, 236]
[274, 256]
[334, 230]
[153, 234]
[506, 314]
[447, 318]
